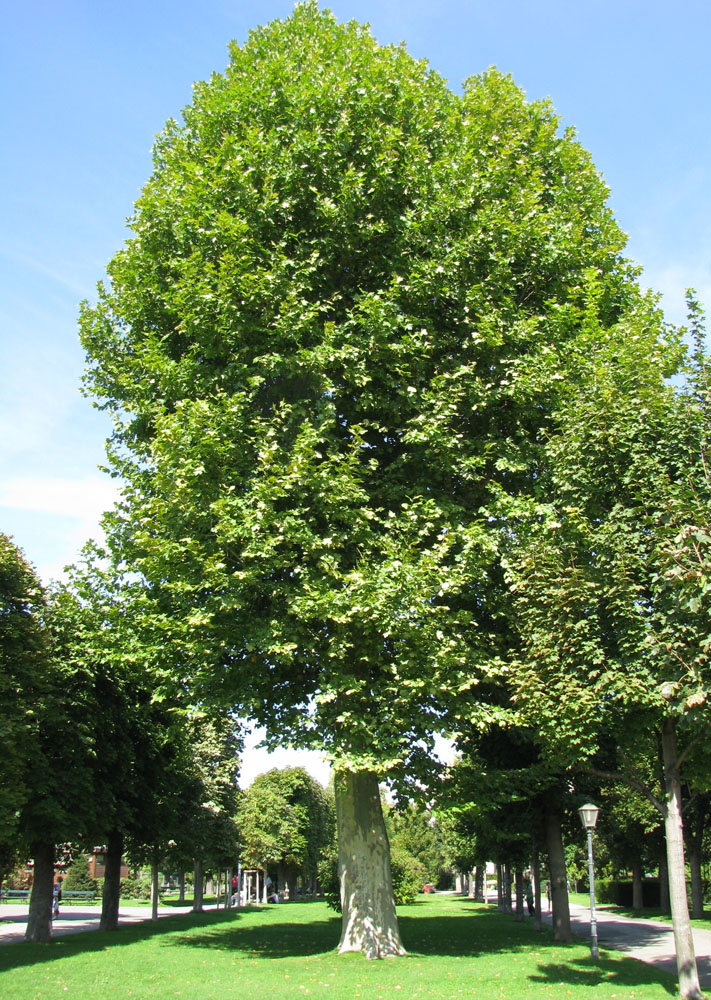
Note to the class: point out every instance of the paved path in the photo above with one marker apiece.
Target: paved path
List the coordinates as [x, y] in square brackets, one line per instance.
[73, 919]
[648, 941]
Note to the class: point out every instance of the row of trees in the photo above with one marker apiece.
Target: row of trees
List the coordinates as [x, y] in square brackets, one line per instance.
[399, 448]
[94, 756]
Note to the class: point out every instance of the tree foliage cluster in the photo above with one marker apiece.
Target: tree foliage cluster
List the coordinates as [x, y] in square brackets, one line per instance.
[98, 759]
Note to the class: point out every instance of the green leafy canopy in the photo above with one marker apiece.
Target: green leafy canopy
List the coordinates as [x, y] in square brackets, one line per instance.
[330, 346]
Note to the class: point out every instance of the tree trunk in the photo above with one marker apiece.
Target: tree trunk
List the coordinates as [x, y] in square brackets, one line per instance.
[664, 904]
[181, 884]
[518, 875]
[112, 883]
[508, 907]
[689, 988]
[637, 892]
[500, 888]
[695, 826]
[369, 919]
[559, 879]
[39, 921]
[198, 876]
[536, 873]
[697, 887]
[228, 886]
[155, 891]
[479, 883]
[292, 884]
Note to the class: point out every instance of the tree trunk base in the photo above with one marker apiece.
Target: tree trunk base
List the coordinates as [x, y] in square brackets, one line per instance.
[369, 919]
[111, 893]
[39, 920]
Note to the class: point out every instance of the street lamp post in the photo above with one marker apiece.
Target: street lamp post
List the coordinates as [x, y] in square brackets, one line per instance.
[588, 817]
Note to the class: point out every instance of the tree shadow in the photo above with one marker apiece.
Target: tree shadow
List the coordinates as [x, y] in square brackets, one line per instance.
[15, 954]
[586, 973]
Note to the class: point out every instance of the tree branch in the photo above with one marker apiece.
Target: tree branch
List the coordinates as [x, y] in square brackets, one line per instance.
[627, 779]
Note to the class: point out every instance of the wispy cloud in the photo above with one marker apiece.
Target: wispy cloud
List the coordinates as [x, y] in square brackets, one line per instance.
[83, 499]
[59, 277]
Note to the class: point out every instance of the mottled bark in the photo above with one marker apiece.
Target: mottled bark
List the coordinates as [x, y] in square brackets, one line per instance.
[479, 883]
[111, 892]
[39, 921]
[369, 922]
[198, 877]
[558, 878]
[689, 988]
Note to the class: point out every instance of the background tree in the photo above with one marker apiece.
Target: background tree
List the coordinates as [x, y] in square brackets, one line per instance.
[60, 805]
[415, 831]
[329, 346]
[208, 836]
[286, 821]
[152, 766]
[612, 580]
[24, 664]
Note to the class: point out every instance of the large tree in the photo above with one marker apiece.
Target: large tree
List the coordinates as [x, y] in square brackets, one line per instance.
[328, 346]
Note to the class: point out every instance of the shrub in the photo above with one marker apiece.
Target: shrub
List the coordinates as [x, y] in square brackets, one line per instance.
[136, 886]
[408, 875]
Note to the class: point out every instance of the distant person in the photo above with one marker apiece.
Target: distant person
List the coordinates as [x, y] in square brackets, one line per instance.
[273, 897]
[529, 899]
[57, 896]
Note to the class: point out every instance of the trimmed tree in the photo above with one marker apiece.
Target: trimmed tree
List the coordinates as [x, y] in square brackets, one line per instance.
[612, 577]
[24, 664]
[285, 821]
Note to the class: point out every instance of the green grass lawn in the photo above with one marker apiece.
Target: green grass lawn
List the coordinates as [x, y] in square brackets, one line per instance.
[456, 949]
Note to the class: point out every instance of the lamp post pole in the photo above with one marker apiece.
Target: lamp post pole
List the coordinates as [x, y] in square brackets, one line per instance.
[588, 817]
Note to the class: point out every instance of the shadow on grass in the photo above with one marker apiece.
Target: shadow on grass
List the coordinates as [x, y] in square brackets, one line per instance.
[585, 973]
[21, 953]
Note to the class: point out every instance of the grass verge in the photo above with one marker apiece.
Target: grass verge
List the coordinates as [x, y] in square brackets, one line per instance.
[456, 949]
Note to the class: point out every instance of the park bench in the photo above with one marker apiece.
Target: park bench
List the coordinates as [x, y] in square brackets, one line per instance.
[15, 894]
[85, 894]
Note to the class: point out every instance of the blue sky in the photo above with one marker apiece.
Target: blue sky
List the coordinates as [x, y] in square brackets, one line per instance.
[88, 84]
